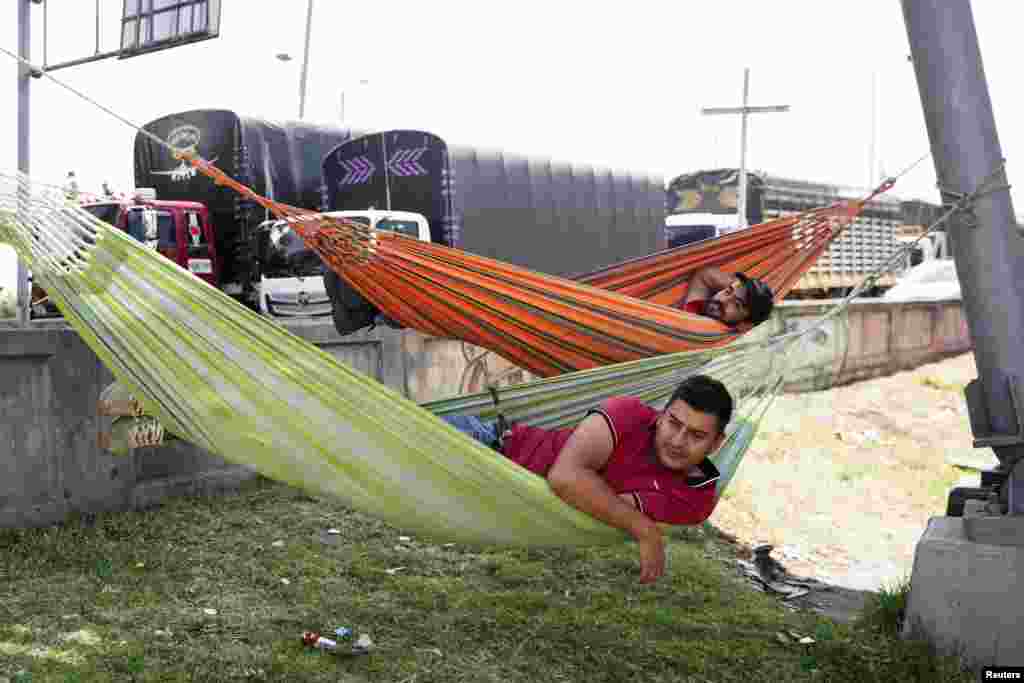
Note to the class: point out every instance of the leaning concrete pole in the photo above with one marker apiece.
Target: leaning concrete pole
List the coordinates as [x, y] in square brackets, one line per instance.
[987, 244]
[967, 586]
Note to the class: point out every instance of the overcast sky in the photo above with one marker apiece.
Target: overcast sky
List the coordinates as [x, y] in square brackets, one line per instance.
[612, 84]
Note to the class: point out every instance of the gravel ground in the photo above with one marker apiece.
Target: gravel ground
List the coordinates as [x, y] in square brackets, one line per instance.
[842, 482]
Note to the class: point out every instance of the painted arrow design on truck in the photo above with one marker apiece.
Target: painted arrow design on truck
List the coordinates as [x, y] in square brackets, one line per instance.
[357, 170]
[406, 162]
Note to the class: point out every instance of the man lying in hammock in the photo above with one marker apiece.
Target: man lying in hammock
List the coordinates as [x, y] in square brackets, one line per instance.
[627, 464]
[734, 299]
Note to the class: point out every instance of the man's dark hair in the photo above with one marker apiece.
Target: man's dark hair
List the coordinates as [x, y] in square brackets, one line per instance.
[760, 298]
[707, 395]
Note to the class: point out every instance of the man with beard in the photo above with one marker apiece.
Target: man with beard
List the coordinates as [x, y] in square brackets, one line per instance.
[734, 299]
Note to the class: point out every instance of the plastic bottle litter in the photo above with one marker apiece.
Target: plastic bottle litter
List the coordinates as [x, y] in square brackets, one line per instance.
[343, 645]
[363, 645]
[315, 640]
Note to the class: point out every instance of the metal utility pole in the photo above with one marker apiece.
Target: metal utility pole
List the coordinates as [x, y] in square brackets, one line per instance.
[305, 62]
[132, 17]
[24, 295]
[986, 243]
[872, 170]
[743, 112]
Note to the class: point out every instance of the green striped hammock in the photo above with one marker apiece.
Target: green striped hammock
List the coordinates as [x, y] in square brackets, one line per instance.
[218, 375]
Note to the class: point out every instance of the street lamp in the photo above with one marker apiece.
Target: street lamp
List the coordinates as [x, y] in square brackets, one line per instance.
[285, 57]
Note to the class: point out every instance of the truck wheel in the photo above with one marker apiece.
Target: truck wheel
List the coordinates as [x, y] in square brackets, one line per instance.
[347, 321]
[960, 495]
[351, 311]
[353, 300]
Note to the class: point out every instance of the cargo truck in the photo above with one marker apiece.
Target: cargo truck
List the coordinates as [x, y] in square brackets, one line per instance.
[548, 216]
[280, 160]
[704, 205]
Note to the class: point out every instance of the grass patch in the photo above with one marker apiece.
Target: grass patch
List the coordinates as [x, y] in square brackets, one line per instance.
[220, 589]
[884, 612]
[851, 472]
[942, 385]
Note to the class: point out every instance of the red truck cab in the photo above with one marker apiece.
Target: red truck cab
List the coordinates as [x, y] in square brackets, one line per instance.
[184, 232]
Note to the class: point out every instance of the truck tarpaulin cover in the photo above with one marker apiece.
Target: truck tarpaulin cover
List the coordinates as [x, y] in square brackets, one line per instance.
[280, 160]
[551, 217]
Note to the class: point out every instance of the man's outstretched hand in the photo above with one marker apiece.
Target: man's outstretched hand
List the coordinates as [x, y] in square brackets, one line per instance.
[652, 553]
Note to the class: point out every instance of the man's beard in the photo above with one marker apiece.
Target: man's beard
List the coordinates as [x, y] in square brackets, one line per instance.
[713, 309]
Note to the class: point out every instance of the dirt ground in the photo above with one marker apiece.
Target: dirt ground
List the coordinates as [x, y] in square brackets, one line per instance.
[843, 482]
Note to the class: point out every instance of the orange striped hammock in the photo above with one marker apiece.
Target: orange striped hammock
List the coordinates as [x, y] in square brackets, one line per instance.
[551, 325]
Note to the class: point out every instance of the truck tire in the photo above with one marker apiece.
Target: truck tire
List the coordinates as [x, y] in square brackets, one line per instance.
[347, 321]
[959, 495]
[352, 312]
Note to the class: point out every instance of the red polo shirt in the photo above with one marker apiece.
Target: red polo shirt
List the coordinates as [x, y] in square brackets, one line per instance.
[695, 306]
[662, 494]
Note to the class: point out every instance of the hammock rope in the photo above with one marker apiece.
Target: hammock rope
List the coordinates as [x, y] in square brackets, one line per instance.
[238, 385]
[546, 324]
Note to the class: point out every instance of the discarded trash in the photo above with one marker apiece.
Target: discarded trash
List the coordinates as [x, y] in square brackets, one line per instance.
[210, 612]
[782, 638]
[315, 640]
[329, 536]
[363, 645]
[768, 576]
[404, 539]
[766, 566]
[393, 570]
[286, 582]
[278, 544]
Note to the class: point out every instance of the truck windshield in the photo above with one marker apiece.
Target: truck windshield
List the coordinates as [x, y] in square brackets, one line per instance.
[705, 199]
[166, 229]
[284, 254]
[105, 212]
[166, 233]
[135, 226]
[407, 228]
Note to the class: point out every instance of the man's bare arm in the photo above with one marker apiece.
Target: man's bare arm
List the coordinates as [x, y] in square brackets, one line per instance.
[706, 282]
[575, 479]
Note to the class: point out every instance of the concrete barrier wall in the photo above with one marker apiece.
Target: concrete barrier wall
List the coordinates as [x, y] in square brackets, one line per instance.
[50, 383]
[872, 339]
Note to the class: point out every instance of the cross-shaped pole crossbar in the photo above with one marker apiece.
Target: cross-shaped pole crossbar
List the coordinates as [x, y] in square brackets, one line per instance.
[743, 112]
